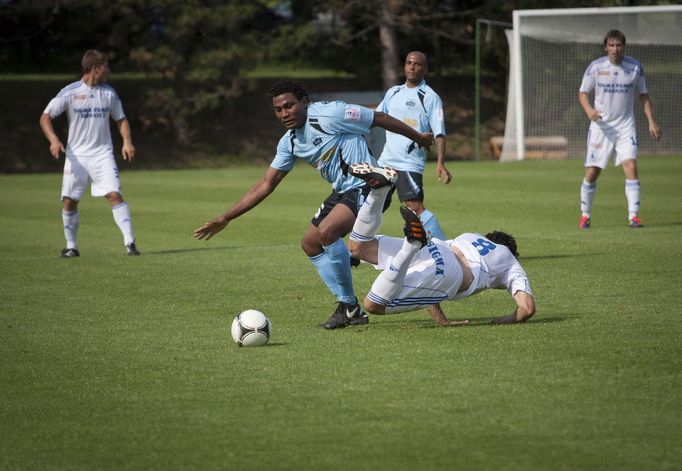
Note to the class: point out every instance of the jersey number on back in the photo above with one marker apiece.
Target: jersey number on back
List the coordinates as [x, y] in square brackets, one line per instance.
[483, 246]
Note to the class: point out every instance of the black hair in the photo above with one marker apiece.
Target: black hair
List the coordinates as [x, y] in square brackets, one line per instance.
[614, 34]
[288, 86]
[505, 239]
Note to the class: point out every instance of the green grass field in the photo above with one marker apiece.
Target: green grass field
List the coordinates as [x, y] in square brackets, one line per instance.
[116, 362]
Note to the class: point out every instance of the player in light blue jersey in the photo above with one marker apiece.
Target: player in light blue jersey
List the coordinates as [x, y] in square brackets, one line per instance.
[328, 136]
[419, 272]
[89, 103]
[420, 107]
[616, 80]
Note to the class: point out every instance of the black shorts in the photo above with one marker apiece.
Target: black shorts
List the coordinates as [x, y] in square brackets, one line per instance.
[410, 186]
[353, 199]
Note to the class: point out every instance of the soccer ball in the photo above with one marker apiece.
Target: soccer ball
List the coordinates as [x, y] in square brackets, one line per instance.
[251, 329]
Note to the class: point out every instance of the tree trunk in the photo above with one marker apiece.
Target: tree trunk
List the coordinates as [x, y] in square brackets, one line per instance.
[389, 46]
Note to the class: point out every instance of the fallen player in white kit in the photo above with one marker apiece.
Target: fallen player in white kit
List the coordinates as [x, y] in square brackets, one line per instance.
[419, 272]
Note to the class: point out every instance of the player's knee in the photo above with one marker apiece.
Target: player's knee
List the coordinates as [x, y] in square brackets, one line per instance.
[114, 197]
[374, 308]
[327, 234]
[310, 248]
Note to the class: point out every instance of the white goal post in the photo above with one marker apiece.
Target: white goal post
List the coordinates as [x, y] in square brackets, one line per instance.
[549, 52]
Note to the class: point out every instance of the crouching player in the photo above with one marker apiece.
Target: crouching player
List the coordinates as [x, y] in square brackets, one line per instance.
[419, 272]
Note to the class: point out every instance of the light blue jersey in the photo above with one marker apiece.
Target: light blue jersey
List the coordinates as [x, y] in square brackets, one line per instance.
[330, 140]
[420, 108]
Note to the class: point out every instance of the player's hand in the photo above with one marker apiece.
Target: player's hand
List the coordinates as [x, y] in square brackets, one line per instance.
[55, 148]
[444, 174]
[425, 139]
[211, 228]
[654, 130]
[128, 152]
[594, 115]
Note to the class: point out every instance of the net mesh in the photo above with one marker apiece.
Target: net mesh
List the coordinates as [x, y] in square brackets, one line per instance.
[555, 52]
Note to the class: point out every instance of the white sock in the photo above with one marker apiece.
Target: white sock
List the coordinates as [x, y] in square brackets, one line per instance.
[369, 217]
[632, 194]
[122, 218]
[390, 281]
[587, 191]
[71, 221]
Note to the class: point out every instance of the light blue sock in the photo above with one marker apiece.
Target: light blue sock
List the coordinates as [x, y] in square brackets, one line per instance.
[431, 224]
[324, 268]
[339, 260]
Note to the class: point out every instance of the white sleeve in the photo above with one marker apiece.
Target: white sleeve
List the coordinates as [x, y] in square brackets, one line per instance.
[517, 280]
[56, 107]
[587, 84]
[116, 111]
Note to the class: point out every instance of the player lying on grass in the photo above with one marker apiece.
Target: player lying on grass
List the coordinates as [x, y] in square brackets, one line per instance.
[328, 136]
[419, 272]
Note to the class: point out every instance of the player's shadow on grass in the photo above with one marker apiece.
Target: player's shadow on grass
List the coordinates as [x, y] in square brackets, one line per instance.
[204, 249]
[551, 257]
[475, 322]
[197, 249]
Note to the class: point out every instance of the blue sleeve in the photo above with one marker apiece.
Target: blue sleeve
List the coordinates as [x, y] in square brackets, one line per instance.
[436, 118]
[346, 118]
[284, 158]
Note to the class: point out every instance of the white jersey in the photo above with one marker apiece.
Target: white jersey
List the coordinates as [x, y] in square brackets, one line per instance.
[420, 108]
[492, 265]
[615, 87]
[88, 110]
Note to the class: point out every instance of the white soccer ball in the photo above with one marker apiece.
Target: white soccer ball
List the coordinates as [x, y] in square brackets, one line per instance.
[251, 328]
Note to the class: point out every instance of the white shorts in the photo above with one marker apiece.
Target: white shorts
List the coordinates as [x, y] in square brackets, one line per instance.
[101, 170]
[434, 275]
[603, 139]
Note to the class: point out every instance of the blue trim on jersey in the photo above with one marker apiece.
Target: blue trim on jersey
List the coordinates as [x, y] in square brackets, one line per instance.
[420, 108]
[360, 237]
[70, 87]
[376, 298]
[416, 301]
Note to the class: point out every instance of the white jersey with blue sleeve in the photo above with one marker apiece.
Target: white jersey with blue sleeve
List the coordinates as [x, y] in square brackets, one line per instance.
[419, 107]
[88, 110]
[492, 265]
[331, 139]
[615, 87]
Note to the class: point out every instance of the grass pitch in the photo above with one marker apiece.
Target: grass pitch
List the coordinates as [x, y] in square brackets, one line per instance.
[116, 362]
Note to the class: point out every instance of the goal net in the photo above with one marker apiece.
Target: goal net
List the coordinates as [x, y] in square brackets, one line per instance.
[549, 52]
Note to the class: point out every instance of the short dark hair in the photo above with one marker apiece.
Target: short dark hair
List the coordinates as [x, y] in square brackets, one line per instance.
[505, 239]
[288, 86]
[614, 34]
[92, 58]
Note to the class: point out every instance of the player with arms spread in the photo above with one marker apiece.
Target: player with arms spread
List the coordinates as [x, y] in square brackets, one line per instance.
[615, 79]
[419, 272]
[419, 106]
[89, 103]
[328, 136]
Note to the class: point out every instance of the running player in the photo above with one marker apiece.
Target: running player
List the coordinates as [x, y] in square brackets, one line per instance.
[328, 136]
[615, 80]
[419, 272]
[416, 104]
[89, 103]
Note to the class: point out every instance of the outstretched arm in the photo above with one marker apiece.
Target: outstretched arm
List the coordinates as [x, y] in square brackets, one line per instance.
[389, 123]
[251, 199]
[56, 145]
[438, 315]
[525, 308]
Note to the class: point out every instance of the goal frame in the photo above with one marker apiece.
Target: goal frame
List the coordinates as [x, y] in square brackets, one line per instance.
[517, 69]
